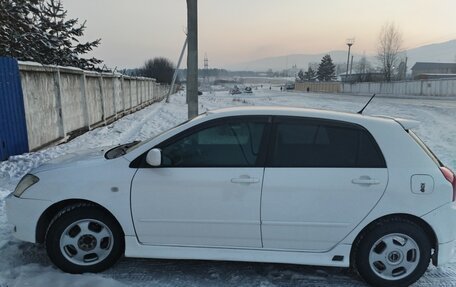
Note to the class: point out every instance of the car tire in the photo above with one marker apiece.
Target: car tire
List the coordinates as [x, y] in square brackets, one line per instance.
[394, 252]
[84, 238]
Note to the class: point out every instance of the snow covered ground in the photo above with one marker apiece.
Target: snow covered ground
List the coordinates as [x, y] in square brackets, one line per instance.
[24, 264]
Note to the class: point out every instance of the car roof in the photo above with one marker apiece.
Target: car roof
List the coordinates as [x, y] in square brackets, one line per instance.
[308, 112]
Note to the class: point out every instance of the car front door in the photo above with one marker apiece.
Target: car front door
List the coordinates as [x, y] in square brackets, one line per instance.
[207, 190]
[321, 179]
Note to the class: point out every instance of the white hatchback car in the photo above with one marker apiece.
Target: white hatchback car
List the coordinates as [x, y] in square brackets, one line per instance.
[263, 184]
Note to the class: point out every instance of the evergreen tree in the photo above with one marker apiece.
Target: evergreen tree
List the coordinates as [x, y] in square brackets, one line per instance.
[326, 69]
[310, 75]
[35, 30]
[301, 75]
[19, 35]
[65, 48]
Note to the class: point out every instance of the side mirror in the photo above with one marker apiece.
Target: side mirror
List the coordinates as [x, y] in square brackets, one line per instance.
[154, 157]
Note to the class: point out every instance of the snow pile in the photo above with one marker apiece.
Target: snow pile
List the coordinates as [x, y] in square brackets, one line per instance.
[24, 264]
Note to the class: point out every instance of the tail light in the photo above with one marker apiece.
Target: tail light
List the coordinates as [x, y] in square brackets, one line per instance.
[449, 175]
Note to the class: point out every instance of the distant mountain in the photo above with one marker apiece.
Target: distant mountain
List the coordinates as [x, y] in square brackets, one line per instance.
[439, 52]
[282, 62]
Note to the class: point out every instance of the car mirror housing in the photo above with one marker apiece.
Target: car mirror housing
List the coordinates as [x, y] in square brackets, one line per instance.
[154, 157]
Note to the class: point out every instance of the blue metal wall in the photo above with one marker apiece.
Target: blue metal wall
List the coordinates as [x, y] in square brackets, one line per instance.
[13, 128]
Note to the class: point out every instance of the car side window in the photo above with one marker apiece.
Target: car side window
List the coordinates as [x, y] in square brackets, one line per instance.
[228, 144]
[307, 143]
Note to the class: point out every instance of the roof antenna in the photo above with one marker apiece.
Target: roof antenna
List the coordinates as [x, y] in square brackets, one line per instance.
[361, 111]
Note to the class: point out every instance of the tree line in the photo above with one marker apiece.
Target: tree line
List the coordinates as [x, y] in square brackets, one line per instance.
[326, 71]
[390, 65]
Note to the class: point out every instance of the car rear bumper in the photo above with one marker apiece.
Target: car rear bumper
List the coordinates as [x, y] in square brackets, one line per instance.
[446, 252]
[23, 214]
[443, 222]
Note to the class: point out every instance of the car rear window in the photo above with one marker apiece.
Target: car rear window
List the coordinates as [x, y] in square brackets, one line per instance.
[315, 144]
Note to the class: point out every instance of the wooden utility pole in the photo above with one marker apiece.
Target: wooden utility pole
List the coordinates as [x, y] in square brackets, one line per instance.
[171, 89]
[192, 58]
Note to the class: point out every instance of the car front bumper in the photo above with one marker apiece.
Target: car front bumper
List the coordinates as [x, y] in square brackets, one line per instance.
[24, 214]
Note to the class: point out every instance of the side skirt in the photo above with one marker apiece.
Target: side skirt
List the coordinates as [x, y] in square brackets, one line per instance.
[337, 257]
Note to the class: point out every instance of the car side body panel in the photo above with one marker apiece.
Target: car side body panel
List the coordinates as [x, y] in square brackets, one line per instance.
[137, 250]
[313, 209]
[110, 187]
[197, 206]
[404, 158]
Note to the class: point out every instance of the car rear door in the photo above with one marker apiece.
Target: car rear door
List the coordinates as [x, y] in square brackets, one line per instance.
[321, 179]
[207, 190]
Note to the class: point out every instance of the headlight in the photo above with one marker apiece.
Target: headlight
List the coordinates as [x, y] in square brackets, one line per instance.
[27, 181]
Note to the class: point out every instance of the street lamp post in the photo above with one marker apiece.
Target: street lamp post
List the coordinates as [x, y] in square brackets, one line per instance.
[349, 43]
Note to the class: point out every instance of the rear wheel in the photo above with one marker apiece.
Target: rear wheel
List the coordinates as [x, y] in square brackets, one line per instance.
[395, 252]
[83, 238]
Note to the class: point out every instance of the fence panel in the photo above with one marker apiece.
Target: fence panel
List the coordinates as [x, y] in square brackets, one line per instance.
[134, 93]
[13, 127]
[94, 100]
[108, 97]
[42, 107]
[437, 87]
[60, 102]
[72, 101]
[118, 97]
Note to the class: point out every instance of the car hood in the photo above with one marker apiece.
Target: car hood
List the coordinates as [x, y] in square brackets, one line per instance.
[73, 159]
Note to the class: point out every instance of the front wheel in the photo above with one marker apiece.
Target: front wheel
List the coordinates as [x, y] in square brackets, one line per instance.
[394, 252]
[83, 238]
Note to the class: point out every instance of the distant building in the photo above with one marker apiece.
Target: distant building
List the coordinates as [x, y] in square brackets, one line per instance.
[428, 70]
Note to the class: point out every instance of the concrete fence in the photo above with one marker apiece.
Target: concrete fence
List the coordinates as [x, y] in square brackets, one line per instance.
[324, 87]
[62, 102]
[437, 87]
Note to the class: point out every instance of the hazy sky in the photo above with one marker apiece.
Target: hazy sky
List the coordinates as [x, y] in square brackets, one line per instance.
[234, 31]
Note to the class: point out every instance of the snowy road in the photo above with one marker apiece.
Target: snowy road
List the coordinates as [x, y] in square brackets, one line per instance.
[23, 264]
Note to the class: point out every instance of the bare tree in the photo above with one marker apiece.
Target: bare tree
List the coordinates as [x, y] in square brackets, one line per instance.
[389, 47]
[162, 69]
[363, 66]
[363, 69]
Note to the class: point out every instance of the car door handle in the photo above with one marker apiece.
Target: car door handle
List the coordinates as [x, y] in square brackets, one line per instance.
[365, 181]
[245, 180]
